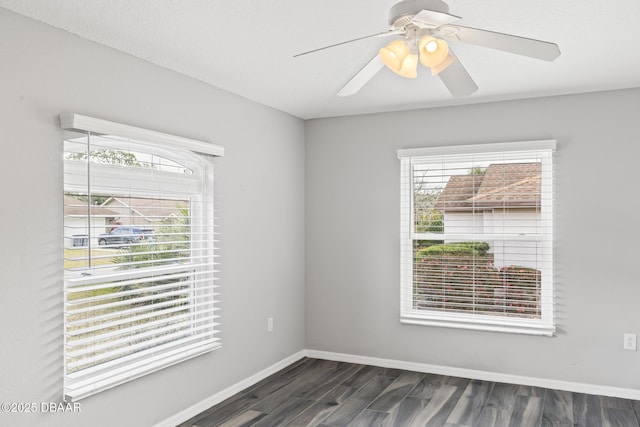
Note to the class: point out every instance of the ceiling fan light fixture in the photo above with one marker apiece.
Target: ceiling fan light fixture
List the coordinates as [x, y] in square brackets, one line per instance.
[433, 51]
[394, 54]
[423, 24]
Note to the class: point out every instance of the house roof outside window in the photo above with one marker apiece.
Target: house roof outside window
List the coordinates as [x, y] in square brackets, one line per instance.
[502, 185]
[151, 210]
[78, 208]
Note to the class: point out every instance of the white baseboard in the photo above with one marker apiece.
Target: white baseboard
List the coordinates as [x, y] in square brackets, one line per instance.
[624, 393]
[207, 403]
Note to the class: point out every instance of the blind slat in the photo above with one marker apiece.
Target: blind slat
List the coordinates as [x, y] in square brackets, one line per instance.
[135, 368]
[186, 329]
[139, 323]
[157, 309]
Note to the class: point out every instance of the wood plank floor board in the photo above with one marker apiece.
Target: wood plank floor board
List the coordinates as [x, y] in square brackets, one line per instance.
[493, 417]
[369, 418]
[406, 413]
[321, 393]
[527, 411]
[427, 387]
[440, 406]
[285, 413]
[252, 395]
[433, 412]
[351, 408]
[499, 407]
[617, 417]
[471, 403]
[615, 402]
[324, 407]
[362, 376]
[342, 373]
[305, 382]
[396, 391]
[525, 390]
[214, 416]
[558, 409]
[636, 408]
[587, 410]
[339, 394]
[457, 381]
[245, 419]
[314, 415]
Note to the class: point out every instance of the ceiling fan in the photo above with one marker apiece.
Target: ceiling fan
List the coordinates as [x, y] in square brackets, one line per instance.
[423, 27]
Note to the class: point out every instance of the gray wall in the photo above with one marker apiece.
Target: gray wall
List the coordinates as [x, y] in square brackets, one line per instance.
[353, 222]
[260, 185]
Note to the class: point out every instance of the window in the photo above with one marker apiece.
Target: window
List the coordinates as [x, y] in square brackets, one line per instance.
[138, 253]
[477, 237]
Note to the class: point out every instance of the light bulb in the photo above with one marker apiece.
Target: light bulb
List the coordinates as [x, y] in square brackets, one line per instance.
[433, 51]
[431, 46]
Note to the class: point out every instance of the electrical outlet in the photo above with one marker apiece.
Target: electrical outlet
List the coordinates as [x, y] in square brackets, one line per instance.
[630, 342]
[270, 324]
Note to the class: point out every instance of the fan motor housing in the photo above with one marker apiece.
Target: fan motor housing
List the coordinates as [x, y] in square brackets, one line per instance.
[401, 13]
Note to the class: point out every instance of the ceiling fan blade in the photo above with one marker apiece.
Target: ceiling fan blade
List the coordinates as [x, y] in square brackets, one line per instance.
[382, 34]
[456, 78]
[506, 42]
[362, 77]
[432, 19]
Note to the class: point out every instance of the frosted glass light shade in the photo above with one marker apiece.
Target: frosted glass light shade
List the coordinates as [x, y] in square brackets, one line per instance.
[393, 54]
[397, 58]
[433, 51]
[409, 67]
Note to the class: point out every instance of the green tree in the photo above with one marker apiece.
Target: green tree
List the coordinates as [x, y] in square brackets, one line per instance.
[108, 157]
[427, 219]
[96, 199]
[175, 235]
[477, 171]
[172, 241]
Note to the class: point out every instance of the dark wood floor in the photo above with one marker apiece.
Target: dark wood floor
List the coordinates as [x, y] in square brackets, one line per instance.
[321, 393]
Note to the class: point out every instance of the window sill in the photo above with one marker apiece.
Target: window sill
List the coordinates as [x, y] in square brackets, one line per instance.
[515, 327]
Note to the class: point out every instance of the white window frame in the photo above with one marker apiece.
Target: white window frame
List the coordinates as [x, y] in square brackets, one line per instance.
[543, 149]
[203, 322]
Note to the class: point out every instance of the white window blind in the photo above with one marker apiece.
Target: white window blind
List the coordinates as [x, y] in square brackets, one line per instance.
[477, 237]
[139, 248]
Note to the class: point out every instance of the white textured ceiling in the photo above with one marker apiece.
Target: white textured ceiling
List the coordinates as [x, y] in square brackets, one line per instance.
[247, 47]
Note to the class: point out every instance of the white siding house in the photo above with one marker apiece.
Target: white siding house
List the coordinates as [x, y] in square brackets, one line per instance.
[145, 211]
[77, 223]
[505, 199]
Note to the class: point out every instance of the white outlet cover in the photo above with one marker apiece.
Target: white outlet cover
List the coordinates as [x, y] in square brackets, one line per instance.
[630, 342]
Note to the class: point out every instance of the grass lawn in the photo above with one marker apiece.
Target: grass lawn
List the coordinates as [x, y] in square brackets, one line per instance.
[78, 257]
